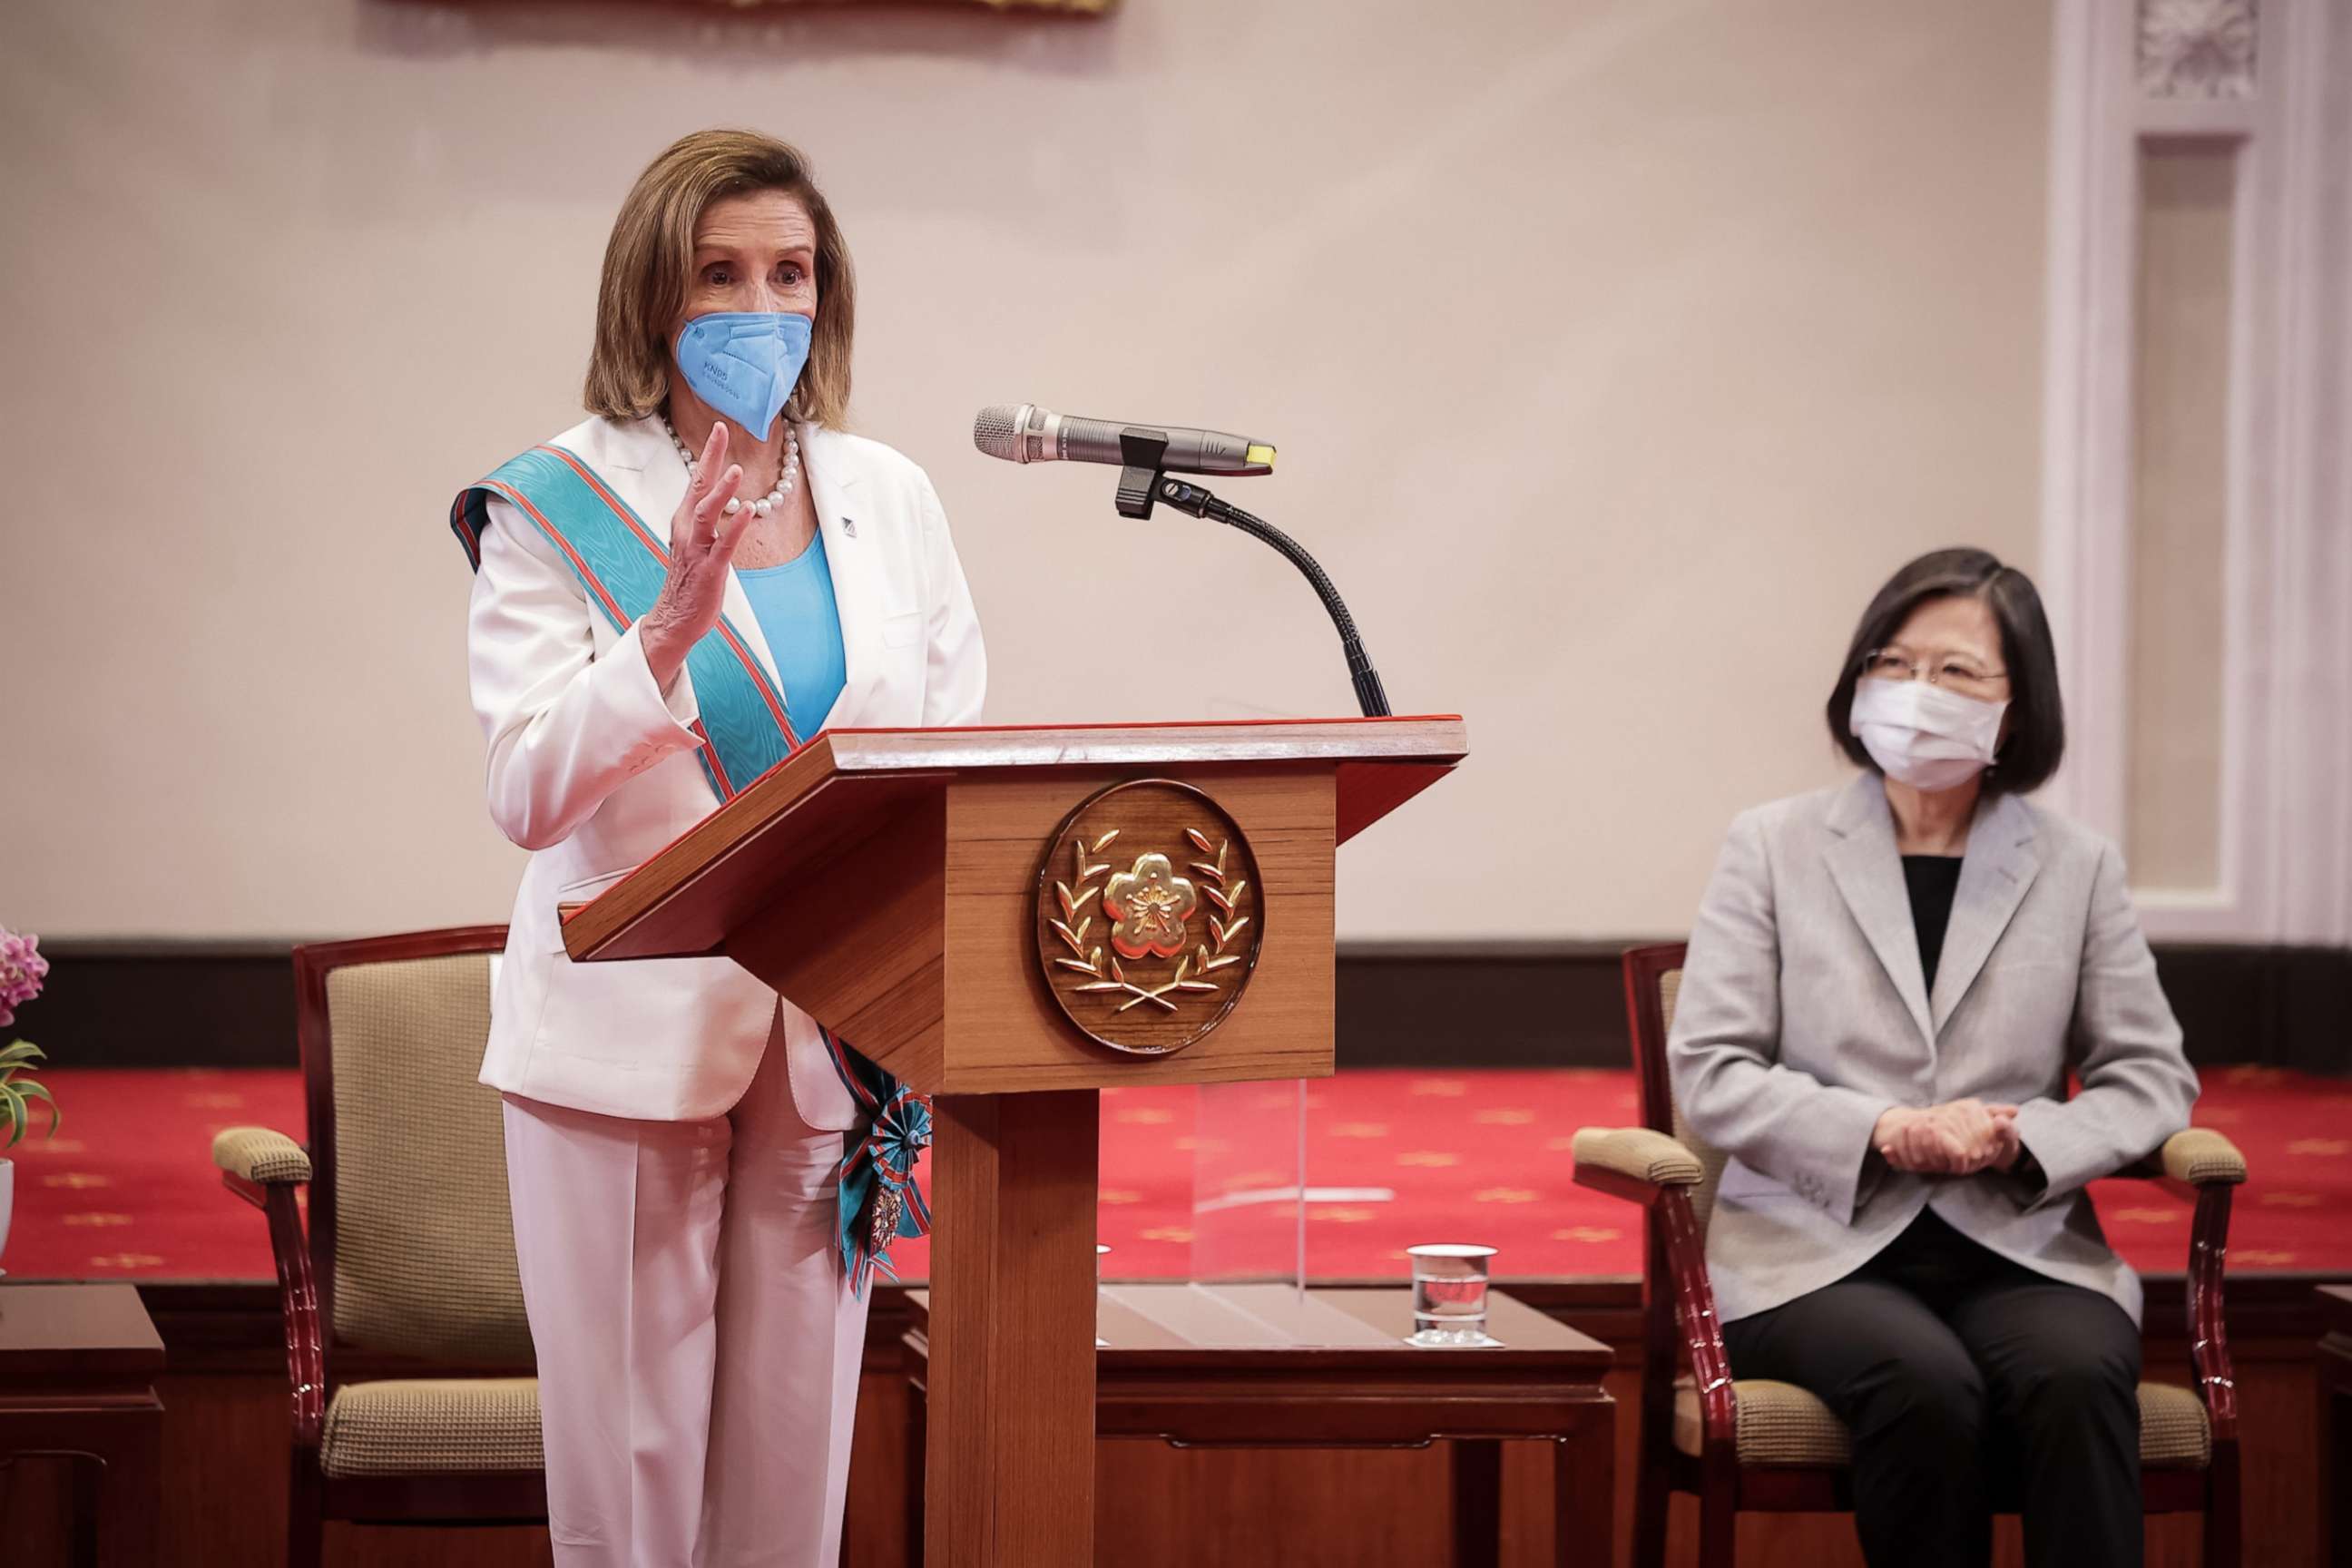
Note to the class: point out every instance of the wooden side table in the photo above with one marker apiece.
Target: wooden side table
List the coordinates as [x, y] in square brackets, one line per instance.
[1258, 1366]
[77, 1367]
[2336, 1426]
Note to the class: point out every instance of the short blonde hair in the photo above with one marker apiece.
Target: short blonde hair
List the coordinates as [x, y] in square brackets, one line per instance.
[650, 256]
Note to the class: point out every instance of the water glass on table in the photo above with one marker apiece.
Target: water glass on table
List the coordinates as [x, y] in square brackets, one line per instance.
[1449, 1294]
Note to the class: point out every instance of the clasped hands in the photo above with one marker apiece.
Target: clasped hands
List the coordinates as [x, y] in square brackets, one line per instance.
[1958, 1138]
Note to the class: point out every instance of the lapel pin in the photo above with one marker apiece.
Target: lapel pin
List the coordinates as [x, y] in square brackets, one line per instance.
[849, 526]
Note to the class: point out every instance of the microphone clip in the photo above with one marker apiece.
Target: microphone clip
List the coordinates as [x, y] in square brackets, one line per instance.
[1142, 482]
[1138, 481]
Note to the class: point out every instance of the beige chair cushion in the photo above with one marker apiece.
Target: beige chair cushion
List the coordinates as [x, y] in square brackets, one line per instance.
[1780, 1423]
[424, 1259]
[2174, 1434]
[433, 1426]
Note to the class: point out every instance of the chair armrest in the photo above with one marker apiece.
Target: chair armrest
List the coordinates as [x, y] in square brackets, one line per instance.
[2202, 1157]
[259, 1155]
[264, 1168]
[1637, 1153]
[2202, 1163]
[2205, 1167]
[1644, 1165]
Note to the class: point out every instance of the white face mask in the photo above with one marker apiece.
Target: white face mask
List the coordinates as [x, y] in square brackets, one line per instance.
[1922, 735]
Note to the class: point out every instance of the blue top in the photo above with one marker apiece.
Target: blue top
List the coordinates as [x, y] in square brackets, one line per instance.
[798, 616]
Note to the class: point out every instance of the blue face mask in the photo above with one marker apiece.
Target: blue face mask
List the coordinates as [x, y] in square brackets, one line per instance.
[744, 362]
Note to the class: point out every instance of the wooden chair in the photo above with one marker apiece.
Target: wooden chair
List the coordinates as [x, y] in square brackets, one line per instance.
[1769, 1446]
[409, 1265]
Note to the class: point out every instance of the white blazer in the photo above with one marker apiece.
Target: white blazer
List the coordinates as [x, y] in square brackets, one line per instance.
[591, 769]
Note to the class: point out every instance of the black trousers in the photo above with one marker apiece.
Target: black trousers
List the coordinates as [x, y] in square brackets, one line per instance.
[1970, 1383]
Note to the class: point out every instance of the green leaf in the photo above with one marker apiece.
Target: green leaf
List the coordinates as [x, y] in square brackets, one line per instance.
[14, 1104]
[20, 1111]
[22, 1052]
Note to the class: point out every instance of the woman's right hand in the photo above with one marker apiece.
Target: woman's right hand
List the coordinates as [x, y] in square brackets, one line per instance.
[702, 541]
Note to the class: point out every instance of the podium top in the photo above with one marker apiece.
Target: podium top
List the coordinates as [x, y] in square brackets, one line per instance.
[1442, 739]
[820, 789]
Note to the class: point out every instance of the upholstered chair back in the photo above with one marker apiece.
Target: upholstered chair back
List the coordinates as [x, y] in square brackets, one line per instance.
[415, 1186]
[1660, 969]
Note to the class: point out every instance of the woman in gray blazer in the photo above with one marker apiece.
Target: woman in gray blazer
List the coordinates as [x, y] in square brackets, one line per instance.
[1887, 987]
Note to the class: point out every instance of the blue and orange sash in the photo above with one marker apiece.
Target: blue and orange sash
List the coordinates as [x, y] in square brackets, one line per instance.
[621, 563]
[745, 731]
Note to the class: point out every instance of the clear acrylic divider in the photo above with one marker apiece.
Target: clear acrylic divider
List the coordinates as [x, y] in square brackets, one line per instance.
[1249, 1182]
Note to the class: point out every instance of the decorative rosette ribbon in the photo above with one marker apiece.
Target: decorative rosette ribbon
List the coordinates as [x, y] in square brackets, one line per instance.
[881, 1201]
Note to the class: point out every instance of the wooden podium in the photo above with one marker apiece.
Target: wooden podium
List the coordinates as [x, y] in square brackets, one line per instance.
[924, 894]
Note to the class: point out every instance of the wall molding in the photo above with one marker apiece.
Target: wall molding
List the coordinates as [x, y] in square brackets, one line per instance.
[2274, 83]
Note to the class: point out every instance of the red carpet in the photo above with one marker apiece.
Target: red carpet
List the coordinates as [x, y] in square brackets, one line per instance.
[128, 1189]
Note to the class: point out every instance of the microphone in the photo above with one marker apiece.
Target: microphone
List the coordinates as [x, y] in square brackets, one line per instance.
[1024, 433]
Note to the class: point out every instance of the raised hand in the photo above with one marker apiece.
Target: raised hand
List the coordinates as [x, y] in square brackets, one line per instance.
[702, 541]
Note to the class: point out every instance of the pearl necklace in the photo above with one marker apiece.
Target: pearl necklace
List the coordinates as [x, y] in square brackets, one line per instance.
[786, 478]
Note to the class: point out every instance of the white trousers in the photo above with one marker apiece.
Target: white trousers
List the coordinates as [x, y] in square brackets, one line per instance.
[699, 1346]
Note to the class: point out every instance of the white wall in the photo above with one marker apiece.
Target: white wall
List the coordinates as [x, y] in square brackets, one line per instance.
[1615, 351]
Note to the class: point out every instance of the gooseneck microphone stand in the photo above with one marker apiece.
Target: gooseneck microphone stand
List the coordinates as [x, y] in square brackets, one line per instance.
[1142, 483]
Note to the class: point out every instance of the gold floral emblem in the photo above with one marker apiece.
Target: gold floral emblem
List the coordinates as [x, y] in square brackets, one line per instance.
[1106, 936]
[1149, 906]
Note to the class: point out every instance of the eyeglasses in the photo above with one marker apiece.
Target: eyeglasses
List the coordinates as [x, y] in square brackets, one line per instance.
[1951, 670]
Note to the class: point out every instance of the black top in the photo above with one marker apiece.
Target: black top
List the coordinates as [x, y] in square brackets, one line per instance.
[1933, 879]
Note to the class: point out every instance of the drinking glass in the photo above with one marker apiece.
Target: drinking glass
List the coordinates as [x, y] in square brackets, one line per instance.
[1449, 1294]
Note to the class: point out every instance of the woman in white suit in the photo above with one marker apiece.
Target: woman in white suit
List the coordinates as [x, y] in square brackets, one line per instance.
[1886, 990]
[667, 598]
